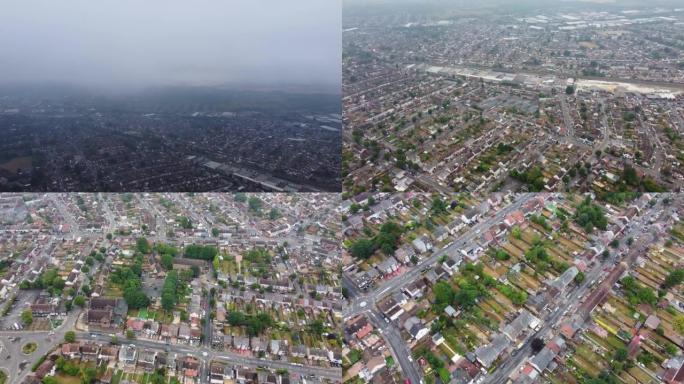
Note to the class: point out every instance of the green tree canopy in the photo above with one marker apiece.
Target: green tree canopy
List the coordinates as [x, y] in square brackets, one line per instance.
[70, 336]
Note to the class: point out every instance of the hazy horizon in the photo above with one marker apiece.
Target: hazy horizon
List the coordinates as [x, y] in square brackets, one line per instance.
[123, 45]
[497, 6]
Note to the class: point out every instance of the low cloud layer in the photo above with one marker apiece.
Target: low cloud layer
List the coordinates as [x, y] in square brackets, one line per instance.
[132, 43]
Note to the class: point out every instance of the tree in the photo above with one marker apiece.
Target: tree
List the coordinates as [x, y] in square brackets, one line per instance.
[533, 177]
[621, 354]
[58, 283]
[88, 375]
[184, 222]
[66, 367]
[646, 295]
[516, 296]
[274, 214]
[165, 249]
[388, 237]
[674, 278]
[27, 316]
[579, 278]
[671, 349]
[362, 248]
[169, 296]
[255, 324]
[438, 206]
[142, 245]
[537, 344]
[135, 297]
[569, 90]
[316, 327]
[167, 261]
[79, 300]
[157, 377]
[645, 358]
[70, 336]
[629, 176]
[130, 334]
[254, 203]
[444, 295]
[201, 252]
[466, 297]
[678, 324]
[589, 216]
[215, 232]
[500, 254]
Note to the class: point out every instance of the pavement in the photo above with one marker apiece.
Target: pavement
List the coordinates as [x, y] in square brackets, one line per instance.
[12, 360]
[207, 354]
[11, 357]
[398, 347]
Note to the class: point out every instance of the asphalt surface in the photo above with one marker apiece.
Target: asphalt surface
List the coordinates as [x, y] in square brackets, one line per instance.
[18, 365]
[398, 346]
[207, 354]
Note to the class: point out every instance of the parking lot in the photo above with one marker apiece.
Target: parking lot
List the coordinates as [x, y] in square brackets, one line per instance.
[24, 298]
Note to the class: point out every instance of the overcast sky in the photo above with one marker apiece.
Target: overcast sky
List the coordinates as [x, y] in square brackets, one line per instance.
[171, 42]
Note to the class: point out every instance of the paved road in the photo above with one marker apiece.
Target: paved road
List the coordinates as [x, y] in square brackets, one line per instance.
[605, 128]
[398, 346]
[47, 341]
[567, 120]
[208, 354]
[11, 357]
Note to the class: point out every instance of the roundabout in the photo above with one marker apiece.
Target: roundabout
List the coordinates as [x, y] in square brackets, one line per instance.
[29, 348]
